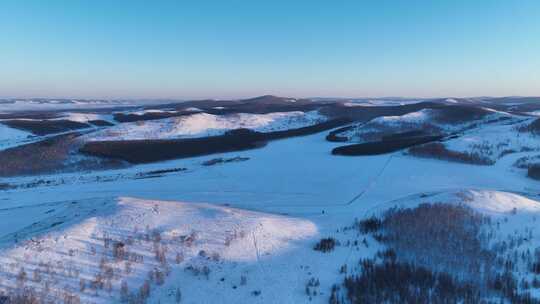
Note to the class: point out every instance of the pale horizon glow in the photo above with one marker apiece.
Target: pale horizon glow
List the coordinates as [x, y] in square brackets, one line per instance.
[238, 49]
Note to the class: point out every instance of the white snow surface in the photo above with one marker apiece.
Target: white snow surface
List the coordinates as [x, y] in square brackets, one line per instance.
[378, 102]
[498, 202]
[193, 109]
[423, 119]
[219, 235]
[496, 139]
[535, 113]
[489, 202]
[85, 117]
[204, 124]
[142, 112]
[417, 117]
[406, 122]
[10, 137]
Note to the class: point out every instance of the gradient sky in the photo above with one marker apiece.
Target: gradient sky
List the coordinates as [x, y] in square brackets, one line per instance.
[233, 48]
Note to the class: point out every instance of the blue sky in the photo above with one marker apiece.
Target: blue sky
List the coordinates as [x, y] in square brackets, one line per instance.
[233, 48]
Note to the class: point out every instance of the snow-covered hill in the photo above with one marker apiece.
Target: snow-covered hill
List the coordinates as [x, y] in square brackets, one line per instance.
[496, 139]
[434, 121]
[204, 124]
[379, 103]
[489, 202]
[483, 241]
[86, 117]
[100, 252]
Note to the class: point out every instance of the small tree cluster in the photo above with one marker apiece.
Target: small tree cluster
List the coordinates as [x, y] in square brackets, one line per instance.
[369, 225]
[325, 245]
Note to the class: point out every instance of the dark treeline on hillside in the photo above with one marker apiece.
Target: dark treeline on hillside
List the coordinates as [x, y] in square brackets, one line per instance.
[383, 146]
[533, 127]
[438, 150]
[50, 155]
[145, 151]
[45, 127]
[534, 171]
[390, 281]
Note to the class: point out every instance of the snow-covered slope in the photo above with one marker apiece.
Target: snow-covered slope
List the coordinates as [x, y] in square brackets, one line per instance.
[417, 117]
[496, 139]
[171, 111]
[427, 120]
[489, 202]
[86, 117]
[10, 137]
[450, 232]
[104, 244]
[499, 203]
[380, 126]
[204, 124]
[379, 102]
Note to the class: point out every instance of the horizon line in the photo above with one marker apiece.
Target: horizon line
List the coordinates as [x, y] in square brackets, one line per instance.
[256, 96]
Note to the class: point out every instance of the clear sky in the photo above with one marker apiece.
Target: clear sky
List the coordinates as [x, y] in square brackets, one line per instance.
[233, 48]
